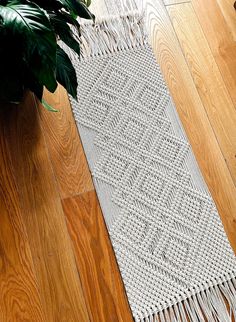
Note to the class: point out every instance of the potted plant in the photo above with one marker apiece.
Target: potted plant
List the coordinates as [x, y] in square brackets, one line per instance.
[30, 56]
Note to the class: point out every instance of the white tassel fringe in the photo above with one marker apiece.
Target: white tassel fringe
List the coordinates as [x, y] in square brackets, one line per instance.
[215, 303]
[110, 35]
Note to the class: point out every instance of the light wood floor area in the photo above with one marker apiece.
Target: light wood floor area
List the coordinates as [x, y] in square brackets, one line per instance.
[56, 260]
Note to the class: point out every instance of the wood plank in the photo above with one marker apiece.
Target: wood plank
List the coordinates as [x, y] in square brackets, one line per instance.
[50, 244]
[65, 149]
[63, 142]
[100, 277]
[220, 41]
[170, 2]
[192, 114]
[228, 10]
[19, 295]
[208, 80]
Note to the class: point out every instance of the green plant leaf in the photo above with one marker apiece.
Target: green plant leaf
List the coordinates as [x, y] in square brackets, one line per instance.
[49, 5]
[78, 7]
[83, 11]
[48, 107]
[32, 84]
[31, 24]
[70, 5]
[66, 74]
[69, 19]
[64, 32]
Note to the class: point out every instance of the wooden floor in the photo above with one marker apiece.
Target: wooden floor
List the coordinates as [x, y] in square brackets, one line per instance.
[56, 260]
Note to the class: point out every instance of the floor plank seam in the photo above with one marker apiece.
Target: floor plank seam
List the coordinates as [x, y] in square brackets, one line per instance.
[77, 269]
[219, 69]
[234, 184]
[226, 89]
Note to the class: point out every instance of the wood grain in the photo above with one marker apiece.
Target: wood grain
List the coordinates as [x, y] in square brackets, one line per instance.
[100, 277]
[208, 80]
[19, 295]
[228, 11]
[192, 114]
[220, 40]
[63, 142]
[65, 149]
[43, 216]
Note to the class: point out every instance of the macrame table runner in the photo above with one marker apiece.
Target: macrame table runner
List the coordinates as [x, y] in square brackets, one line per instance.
[170, 245]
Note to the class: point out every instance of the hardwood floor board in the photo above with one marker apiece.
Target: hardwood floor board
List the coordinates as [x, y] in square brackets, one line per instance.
[229, 13]
[64, 145]
[100, 277]
[19, 295]
[220, 40]
[59, 282]
[208, 80]
[192, 114]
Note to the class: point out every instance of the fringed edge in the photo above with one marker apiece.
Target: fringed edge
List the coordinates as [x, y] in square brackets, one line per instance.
[111, 35]
[214, 303]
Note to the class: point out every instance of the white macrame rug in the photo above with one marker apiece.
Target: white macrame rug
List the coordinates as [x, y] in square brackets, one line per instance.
[172, 251]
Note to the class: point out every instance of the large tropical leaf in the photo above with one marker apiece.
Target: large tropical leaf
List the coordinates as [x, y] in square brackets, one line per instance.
[69, 5]
[83, 11]
[31, 24]
[51, 5]
[32, 84]
[66, 74]
[64, 32]
[64, 16]
[29, 56]
[78, 8]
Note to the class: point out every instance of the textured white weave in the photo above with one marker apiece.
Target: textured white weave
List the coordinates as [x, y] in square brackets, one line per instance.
[167, 235]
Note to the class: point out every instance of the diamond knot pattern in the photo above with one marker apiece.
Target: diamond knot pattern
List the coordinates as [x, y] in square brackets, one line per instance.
[167, 225]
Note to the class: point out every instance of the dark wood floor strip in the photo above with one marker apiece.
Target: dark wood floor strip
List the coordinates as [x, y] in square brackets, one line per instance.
[99, 273]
